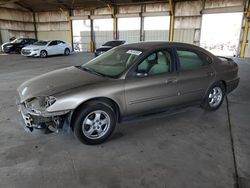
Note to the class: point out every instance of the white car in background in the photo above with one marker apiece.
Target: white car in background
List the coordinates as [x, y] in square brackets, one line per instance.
[46, 48]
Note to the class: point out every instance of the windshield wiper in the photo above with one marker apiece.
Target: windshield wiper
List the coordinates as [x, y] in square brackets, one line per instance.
[91, 71]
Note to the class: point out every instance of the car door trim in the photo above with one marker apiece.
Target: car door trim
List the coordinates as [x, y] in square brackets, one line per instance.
[151, 99]
[193, 91]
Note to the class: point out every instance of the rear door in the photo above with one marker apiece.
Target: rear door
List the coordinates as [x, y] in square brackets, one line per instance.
[195, 74]
[153, 84]
[22, 44]
[61, 47]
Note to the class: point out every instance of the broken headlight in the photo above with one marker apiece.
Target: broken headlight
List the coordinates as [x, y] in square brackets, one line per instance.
[40, 103]
[49, 101]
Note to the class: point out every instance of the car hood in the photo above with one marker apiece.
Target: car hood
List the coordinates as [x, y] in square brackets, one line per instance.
[56, 81]
[9, 43]
[6, 43]
[104, 48]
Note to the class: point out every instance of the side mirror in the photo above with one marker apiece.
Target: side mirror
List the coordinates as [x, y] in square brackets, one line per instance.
[141, 74]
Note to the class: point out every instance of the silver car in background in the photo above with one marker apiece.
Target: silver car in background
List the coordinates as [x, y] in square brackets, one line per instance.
[128, 80]
[46, 48]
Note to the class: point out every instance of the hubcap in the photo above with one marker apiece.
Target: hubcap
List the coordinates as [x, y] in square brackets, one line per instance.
[215, 96]
[96, 124]
[43, 54]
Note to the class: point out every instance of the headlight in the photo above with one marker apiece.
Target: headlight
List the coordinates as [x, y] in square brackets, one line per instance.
[49, 101]
[9, 46]
[35, 104]
[35, 49]
[40, 103]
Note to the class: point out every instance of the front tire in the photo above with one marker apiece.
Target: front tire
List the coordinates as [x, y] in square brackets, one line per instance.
[215, 96]
[94, 123]
[66, 52]
[43, 54]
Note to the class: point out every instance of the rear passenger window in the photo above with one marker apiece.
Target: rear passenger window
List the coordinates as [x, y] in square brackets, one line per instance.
[60, 42]
[53, 43]
[190, 60]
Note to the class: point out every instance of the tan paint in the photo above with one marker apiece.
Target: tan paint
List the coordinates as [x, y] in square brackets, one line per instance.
[53, 35]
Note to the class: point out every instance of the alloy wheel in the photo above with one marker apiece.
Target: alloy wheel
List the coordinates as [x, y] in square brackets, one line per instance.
[96, 124]
[67, 52]
[43, 54]
[215, 96]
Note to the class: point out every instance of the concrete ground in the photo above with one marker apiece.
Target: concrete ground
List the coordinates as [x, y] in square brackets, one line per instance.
[187, 148]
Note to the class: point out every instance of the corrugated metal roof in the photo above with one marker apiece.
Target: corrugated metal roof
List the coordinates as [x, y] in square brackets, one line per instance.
[48, 5]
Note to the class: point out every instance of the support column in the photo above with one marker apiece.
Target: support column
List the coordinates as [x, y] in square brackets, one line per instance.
[70, 29]
[34, 22]
[92, 37]
[171, 28]
[245, 32]
[115, 23]
[115, 34]
[142, 24]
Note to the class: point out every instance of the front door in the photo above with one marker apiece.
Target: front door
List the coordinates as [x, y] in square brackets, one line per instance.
[154, 84]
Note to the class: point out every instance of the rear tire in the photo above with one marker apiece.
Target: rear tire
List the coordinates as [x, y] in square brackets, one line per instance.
[66, 52]
[43, 54]
[214, 97]
[94, 123]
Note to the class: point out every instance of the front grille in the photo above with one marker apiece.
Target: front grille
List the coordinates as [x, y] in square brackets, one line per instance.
[26, 52]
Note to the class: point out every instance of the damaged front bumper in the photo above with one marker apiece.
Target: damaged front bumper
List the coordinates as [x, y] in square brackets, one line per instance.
[49, 121]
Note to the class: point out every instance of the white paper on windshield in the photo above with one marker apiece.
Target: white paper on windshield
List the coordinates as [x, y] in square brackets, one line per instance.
[134, 52]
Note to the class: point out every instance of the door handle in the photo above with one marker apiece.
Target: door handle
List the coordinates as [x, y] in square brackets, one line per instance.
[171, 81]
[210, 74]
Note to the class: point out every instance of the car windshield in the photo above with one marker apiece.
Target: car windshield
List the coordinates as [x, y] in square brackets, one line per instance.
[18, 40]
[113, 43]
[113, 63]
[41, 43]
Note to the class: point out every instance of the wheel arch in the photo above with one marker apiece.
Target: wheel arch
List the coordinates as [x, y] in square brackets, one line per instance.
[103, 100]
[216, 82]
[225, 84]
[44, 50]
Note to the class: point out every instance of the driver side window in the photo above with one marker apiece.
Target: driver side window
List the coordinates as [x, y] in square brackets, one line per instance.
[156, 63]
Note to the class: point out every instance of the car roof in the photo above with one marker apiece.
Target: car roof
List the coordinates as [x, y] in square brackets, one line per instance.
[115, 41]
[25, 38]
[55, 40]
[158, 44]
[45, 40]
[151, 45]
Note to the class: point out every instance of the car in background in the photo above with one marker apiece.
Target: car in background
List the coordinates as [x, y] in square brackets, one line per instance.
[17, 45]
[46, 48]
[127, 81]
[109, 45]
